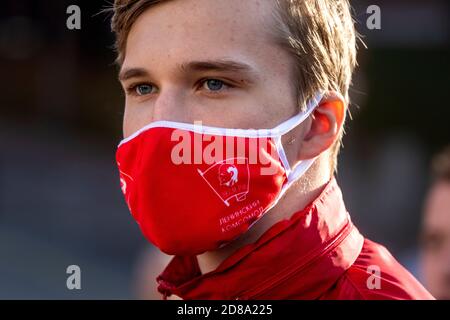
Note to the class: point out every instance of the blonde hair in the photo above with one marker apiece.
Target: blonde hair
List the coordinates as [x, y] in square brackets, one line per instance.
[320, 35]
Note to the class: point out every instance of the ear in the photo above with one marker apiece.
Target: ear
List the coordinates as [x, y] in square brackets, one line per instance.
[327, 121]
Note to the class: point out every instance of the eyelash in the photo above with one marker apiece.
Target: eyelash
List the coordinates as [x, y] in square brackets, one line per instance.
[131, 90]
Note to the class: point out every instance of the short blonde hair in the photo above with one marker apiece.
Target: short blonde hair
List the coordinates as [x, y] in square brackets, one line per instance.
[320, 35]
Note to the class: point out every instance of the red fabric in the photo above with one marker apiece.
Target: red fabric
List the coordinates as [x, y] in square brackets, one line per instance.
[162, 195]
[316, 254]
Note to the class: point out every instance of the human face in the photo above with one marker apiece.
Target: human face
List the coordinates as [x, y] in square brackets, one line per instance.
[209, 61]
[436, 241]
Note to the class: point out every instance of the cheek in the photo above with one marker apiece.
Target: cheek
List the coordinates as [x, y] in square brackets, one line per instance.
[134, 118]
[275, 105]
[291, 144]
[245, 111]
[128, 124]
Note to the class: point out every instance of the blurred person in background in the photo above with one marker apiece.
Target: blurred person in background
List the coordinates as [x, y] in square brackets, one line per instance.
[435, 237]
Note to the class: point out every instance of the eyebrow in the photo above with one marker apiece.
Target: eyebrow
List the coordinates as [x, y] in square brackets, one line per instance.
[132, 73]
[223, 65]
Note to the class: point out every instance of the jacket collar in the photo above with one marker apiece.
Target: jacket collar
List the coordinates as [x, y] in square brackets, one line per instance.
[297, 258]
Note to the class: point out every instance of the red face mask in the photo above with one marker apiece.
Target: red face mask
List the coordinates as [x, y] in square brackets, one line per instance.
[193, 188]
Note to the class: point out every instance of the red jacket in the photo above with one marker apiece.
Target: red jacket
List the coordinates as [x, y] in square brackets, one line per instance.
[317, 254]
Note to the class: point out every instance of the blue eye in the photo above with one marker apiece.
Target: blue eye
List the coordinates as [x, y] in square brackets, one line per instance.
[214, 84]
[143, 89]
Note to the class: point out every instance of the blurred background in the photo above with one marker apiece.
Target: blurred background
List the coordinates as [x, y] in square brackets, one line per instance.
[60, 121]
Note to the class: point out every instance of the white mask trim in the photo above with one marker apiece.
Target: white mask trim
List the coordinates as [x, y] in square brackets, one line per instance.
[282, 155]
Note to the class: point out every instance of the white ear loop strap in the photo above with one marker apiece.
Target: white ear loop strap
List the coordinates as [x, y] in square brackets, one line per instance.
[284, 128]
[293, 122]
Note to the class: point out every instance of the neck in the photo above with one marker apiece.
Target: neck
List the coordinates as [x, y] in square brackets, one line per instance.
[299, 195]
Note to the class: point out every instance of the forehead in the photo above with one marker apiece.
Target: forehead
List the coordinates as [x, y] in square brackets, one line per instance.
[203, 29]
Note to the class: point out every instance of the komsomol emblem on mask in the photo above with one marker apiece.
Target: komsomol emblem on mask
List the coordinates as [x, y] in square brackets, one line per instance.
[229, 179]
[189, 207]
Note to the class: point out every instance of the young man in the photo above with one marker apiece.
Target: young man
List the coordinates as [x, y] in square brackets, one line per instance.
[435, 239]
[247, 214]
